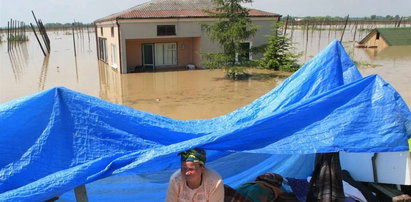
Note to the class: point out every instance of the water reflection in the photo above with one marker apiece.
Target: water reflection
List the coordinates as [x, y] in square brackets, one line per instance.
[110, 85]
[198, 94]
[393, 64]
[390, 53]
[43, 74]
[18, 57]
[25, 70]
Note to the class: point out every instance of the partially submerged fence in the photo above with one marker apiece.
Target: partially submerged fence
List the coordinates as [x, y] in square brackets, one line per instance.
[43, 34]
[16, 33]
[340, 25]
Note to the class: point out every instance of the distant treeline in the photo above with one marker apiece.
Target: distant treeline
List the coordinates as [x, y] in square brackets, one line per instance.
[364, 22]
[57, 25]
[372, 17]
[61, 25]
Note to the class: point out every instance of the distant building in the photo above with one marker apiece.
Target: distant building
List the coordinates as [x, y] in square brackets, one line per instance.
[165, 33]
[384, 37]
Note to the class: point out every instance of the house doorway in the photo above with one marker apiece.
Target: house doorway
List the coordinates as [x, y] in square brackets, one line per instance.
[148, 55]
[165, 54]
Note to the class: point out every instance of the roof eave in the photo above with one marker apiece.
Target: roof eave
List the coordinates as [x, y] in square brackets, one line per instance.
[174, 17]
[366, 38]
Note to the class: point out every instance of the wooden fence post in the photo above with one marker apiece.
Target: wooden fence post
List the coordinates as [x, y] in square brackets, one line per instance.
[38, 40]
[345, 25]
[81, 193]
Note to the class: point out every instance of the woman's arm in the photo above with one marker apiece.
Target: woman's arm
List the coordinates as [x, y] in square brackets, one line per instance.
[173, 190]
[217, 194]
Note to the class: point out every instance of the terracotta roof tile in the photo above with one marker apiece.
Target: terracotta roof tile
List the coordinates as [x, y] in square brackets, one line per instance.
[173, 9]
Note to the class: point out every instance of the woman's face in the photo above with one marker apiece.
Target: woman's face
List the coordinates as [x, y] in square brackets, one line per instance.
[191, 171]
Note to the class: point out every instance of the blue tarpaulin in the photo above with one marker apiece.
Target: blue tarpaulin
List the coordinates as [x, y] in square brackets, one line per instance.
[58, 139]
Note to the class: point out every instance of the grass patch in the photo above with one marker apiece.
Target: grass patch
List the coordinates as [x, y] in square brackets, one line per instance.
[258, 74]
[362, 64]
[268, 76]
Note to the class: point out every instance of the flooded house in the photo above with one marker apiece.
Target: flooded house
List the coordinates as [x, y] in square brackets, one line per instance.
[166, 34]
[381, 38]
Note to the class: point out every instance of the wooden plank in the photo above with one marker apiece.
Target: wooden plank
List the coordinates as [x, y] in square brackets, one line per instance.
[81, 194]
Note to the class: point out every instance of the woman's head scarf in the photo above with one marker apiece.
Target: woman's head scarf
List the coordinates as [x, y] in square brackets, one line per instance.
[194, 155]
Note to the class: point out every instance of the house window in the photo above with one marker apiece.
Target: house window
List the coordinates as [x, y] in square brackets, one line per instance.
[112, 31]
[244, 54]
[378, 36]
[166, 30]
[102, 52]
[114, 56]
[101, 31]
[165, 54]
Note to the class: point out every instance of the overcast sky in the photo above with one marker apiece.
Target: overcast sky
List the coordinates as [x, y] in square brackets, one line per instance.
[89, 10]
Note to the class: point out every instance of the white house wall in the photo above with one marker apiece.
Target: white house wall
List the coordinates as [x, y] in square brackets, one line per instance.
[265, 29]
[191, 27]
[111, 40]
[148, 29]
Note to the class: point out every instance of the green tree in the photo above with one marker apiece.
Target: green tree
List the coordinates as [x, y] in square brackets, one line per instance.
[278, 54]
[232, 27]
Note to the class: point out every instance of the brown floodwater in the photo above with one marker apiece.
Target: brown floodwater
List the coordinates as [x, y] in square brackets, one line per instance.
[185, 94]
